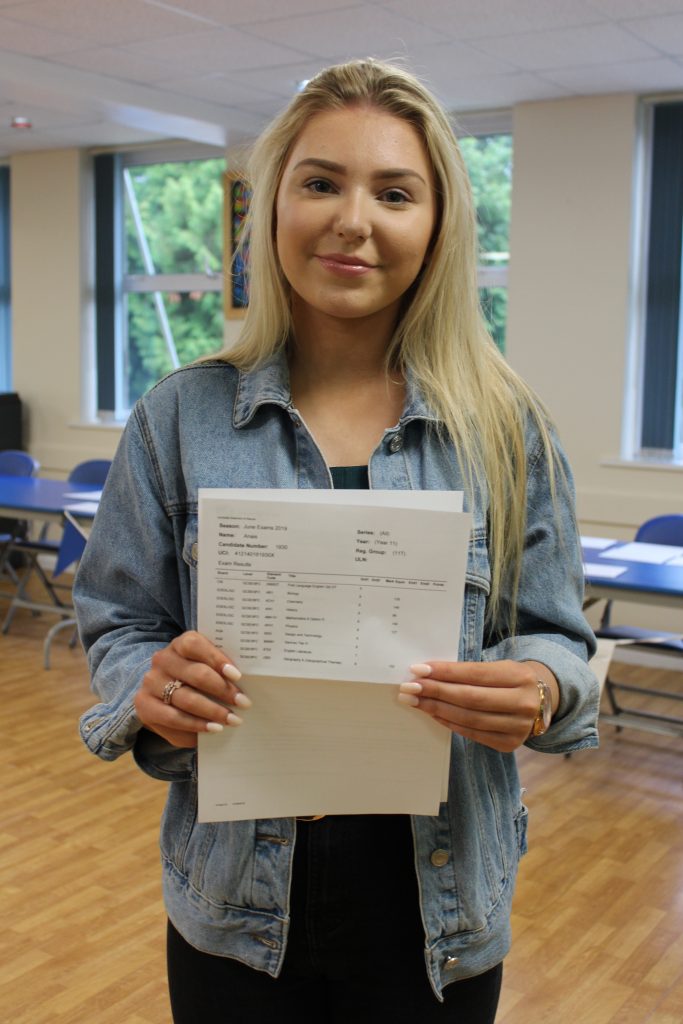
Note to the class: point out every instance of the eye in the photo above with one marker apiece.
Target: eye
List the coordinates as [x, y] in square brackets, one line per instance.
[319, 186]
[395, 197]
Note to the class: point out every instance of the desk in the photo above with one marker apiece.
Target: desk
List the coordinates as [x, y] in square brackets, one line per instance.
[643, 582]
[44, 500]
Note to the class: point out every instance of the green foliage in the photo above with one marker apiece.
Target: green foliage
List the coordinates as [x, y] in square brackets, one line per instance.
[489, 163]
[181, 209]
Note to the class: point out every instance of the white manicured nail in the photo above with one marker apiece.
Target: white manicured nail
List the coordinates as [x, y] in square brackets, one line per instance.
[421, 669]
[231, 672]
[411, 687]
[233, 719]
[214, 727]
[242, 701]
[407, 698]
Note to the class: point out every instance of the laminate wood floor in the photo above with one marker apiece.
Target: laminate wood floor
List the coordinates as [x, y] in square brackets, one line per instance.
[598, 922]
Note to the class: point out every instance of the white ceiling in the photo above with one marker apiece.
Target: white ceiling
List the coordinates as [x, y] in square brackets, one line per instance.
[109, 72]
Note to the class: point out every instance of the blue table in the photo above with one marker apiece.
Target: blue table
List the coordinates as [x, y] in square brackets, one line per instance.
[642, 582]
[45, 500]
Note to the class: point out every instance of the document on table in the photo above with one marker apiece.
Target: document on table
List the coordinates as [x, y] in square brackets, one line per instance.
[324, 599]
[603, 572]
[656, 554]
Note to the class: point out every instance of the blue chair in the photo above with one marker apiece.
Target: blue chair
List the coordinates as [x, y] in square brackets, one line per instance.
[13, 463]
[92, 471]
[666, 529]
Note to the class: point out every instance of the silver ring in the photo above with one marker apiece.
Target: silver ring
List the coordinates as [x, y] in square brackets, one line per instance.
[169, 690]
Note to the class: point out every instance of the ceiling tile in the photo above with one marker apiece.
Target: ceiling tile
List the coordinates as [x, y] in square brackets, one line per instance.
[104, 21]
[665, 32]
[236, 12]
[359, 30]
[495, 91]
[570, 47]
[117, 63]
[494, 17]
[32, 40]
[282, 79]
[218, 89]
[634, 76]
[220, 50]
[619, 9]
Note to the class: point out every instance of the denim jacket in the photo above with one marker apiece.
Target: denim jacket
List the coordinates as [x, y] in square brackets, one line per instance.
[226, 884]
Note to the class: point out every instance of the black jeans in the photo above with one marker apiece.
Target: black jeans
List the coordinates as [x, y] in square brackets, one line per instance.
[355, 949]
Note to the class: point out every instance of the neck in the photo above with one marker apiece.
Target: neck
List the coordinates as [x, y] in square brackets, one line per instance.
[338, 352]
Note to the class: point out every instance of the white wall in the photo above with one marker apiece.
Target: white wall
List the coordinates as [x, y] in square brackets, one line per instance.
[569, 299]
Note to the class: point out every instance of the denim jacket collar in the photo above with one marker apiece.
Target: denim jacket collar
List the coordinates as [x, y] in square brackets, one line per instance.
[268, 384]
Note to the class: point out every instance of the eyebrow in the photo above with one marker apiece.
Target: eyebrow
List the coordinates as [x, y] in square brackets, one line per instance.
[389, 172]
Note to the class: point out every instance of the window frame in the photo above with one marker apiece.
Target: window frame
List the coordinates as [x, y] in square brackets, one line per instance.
[112, 282]
[652, 430]
[5, 281]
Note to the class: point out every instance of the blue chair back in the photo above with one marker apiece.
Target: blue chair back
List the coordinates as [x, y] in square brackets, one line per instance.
[15, 463]
[662, 530]
[94, 471]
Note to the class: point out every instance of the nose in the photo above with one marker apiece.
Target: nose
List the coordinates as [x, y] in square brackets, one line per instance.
[353, 219]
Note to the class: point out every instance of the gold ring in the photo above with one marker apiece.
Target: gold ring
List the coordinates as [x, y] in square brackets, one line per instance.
[169, 690]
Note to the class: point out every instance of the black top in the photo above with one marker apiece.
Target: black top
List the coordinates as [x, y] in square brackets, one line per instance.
[350, 478]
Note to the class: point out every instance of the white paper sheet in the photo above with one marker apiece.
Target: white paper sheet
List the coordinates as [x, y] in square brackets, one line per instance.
[603, 572]
[323, 604]
[597, 543]
[656, 554]
[84, 495]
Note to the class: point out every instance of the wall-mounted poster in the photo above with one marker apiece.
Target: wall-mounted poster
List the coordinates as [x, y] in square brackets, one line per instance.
[237, 195]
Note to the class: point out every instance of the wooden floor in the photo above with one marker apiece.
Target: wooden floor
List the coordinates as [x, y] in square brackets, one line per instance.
[598, 923]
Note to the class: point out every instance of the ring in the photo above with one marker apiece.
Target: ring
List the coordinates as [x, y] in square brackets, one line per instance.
[169, 690]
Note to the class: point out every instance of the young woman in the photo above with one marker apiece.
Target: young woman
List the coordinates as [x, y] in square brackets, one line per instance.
[363, 361]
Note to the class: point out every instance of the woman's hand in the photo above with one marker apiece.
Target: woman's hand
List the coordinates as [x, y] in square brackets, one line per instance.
[492, 702]
[206, 681]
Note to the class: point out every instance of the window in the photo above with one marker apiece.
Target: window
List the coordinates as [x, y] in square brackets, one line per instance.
[5, 306]
[658, 430]
[159, 257]
[489, 163]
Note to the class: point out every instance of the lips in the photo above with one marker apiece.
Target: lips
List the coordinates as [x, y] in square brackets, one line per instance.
[345, 265]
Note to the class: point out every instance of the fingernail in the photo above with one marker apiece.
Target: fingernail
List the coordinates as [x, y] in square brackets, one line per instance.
[214, 727]
[412, 687]
[421, 669]
[233, 719]
[407, 698]
[231, 672]
[242, 701]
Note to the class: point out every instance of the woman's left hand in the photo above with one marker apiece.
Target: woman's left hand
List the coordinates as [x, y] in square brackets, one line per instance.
[492, 702]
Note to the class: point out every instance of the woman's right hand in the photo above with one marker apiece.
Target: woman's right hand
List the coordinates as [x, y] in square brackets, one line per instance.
[207, 682]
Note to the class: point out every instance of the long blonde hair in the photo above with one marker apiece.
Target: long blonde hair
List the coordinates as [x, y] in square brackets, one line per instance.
[441, 337]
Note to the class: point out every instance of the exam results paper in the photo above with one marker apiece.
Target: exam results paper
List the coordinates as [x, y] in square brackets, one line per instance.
[324, 599]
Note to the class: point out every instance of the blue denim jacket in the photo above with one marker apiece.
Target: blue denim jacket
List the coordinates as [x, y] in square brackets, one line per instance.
[226, 885]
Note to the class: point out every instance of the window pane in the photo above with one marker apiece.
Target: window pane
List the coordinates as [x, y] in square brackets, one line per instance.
[494, 303]
[180, 208]
[489, 164]
[195, 320]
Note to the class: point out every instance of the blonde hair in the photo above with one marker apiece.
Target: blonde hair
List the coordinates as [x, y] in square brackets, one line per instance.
[441, 337]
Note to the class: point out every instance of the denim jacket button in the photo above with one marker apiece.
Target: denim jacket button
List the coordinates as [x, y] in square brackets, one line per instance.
[194, 551]
[396, 443]
[439, 858]
[451, 962]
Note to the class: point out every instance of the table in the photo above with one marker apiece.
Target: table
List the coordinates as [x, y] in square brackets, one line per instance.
[44, 500]
[643, 582]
